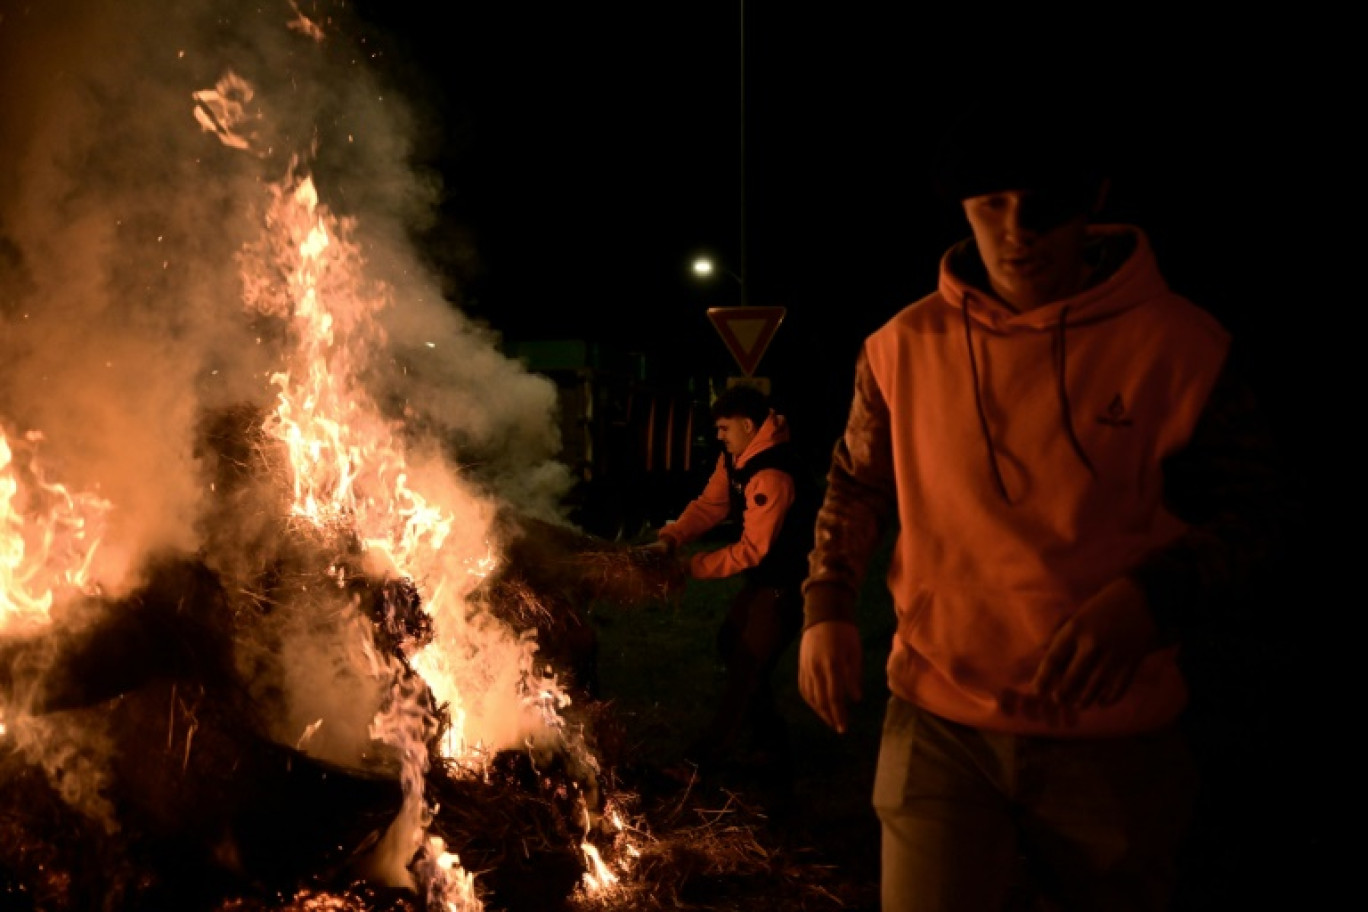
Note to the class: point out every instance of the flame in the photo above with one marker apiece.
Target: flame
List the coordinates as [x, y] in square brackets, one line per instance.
[599, 878]
[49, 537]
[348, 470]
[352, 477]
[450, 888]
[48, 541]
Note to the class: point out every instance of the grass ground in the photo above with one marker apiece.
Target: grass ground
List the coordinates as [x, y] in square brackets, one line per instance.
[661, 675]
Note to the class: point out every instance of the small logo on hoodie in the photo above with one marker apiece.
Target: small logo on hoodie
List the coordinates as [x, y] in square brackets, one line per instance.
[1116, 414]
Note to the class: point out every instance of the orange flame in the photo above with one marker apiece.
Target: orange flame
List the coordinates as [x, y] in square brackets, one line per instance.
[348, 468]
[48, 540]
[351, 475]
[599, 878]
[451, 889]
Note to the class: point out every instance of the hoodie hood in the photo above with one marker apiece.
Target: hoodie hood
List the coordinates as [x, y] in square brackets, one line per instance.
[1120, 255]
[1126, 276]
[774, 430]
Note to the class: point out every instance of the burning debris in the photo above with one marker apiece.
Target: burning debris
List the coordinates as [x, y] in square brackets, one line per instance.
[203, 795]
[205, 806]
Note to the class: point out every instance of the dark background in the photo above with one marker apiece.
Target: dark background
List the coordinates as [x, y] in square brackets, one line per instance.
[588, 151]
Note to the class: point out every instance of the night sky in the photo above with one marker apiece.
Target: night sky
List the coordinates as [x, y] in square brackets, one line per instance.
[588, 151]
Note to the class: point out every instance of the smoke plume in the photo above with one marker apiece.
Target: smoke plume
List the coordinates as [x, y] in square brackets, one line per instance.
[122, 214]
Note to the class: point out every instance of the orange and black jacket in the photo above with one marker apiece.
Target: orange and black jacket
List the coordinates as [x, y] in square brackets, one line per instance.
[766, 492]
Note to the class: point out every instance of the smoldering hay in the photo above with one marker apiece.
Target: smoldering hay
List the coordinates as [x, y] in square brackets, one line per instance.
[205, 221]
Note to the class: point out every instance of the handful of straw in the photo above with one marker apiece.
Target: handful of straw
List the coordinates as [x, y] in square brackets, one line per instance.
[627, 575]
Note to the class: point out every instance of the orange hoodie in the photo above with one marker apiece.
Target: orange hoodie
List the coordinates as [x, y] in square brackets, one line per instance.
[1028, 453]
[769, 495]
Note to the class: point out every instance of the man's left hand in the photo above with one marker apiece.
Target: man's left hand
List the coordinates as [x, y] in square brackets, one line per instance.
[1092, 657]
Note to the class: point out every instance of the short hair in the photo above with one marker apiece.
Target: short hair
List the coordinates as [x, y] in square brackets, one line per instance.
[742, 401]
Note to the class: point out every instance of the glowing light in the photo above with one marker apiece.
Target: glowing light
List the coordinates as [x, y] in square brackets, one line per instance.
[450, 888]
[49, 538]
[222, 109]
[309, 731]
[599, 878]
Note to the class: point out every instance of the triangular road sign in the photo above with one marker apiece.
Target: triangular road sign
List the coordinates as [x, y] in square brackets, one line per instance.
[747, 331]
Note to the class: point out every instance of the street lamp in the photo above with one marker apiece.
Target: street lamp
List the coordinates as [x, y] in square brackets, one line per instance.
[705, 267]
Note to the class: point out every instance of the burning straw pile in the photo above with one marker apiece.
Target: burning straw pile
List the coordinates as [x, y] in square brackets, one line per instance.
[171, 784]
[208, 811]
[312, 650]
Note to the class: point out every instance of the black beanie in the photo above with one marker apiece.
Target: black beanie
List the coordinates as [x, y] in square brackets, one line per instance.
[1060, 149]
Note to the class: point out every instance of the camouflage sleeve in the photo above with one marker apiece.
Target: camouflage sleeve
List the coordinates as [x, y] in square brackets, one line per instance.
[860, 501]
[1228, 484]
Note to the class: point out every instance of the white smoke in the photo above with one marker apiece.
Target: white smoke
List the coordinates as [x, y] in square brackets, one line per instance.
[121, 317]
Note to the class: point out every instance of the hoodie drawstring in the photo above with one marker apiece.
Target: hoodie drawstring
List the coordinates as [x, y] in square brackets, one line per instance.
[978, 403]
[1065, 411]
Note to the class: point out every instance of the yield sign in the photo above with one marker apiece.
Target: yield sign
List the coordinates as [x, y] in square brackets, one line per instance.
[747, 332]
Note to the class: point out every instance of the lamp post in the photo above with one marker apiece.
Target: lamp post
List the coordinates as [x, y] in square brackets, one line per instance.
[741, 142]
[704, 266]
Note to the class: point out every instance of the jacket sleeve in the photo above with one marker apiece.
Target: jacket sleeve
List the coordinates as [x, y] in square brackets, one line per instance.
[1228, 485]
[769, 495]
[703, 512]
[859, 504]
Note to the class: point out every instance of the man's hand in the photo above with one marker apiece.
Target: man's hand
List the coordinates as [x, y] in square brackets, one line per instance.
[829, 670]
[1093, 657]
[661, 545]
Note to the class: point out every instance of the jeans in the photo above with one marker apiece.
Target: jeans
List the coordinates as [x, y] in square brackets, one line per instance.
[971, 818]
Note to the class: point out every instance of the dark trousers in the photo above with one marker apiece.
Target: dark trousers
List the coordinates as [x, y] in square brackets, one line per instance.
[969, 815]
[760, 625]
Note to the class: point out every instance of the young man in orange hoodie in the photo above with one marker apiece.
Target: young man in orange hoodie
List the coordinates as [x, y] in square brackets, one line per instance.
[760, 485]
[1076, 476]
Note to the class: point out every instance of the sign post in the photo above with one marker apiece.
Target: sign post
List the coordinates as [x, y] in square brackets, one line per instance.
[747, 332]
